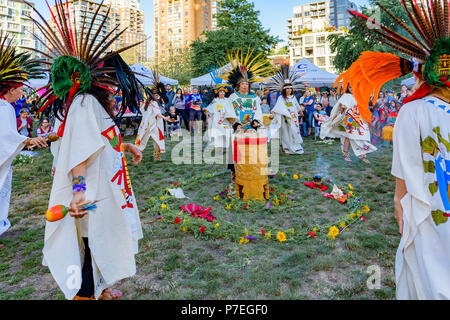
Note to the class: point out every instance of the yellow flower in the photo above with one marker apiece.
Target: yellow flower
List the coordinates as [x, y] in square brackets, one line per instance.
[216, 226]
[366, 209]
[167, 189]
[281, 236]
[350, 193]
[296, 176]
[350, 186]
[347, 229]
[314, 229]
[291, 191]
[216, 198]
[162, 198]
[283, 174]
[353, 215]
[246, 232]
[163, 206]
[269, 235]
[184, 229]
[244, 240]
[342, 225]
[333, 233]
[228, 207]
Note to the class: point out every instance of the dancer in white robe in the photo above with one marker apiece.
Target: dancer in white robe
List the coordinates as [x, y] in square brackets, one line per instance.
[11, 144]
[152, 126]
[221, 112]
[346, 123]
[114, 228]
[421, 141]
[286, 123]
[421, 164]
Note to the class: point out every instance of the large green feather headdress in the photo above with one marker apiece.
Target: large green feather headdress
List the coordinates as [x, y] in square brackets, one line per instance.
[15, 68]
[79, 58]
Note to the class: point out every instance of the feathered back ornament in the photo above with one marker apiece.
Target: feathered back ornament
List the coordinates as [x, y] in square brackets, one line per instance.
[286, 78]
[79, 59]
[15, 68]
[429, 45]
[213, 72]
[244, 68]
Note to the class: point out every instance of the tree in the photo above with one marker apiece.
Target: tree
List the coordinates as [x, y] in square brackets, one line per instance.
[178, 66]
[238, 27]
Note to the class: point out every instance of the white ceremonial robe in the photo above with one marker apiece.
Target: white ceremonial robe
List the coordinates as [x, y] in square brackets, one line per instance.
[114, 228]
[422, 159]
[348, 125]
[286, 125]
[151, 127]
[220, 129]
[11, 143]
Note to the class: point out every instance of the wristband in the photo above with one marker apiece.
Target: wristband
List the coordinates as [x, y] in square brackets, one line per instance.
[79, 184]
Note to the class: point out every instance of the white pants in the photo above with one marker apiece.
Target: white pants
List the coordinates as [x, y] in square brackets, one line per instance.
[5, 197]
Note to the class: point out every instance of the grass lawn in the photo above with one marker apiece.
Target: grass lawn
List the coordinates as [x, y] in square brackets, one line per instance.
[176, 265]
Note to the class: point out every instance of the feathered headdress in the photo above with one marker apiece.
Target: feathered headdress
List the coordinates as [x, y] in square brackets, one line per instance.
[78, 59]
[239, 68]
[15, 68]
[286, 78]
[429, 47]
[220, 86]
[158, 87]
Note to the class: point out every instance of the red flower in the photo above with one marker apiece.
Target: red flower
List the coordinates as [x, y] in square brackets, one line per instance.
[228, 190]
[177, 220]
[228, 196]
[245, 207]
[272, 190]
[311, 234]
[281, 194]
[263, 233]
[363, 219]
[176, 184]
[202, 229]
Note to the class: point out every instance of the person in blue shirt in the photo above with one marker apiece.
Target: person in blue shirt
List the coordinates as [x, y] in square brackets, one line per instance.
[310, 103]
[195, 113]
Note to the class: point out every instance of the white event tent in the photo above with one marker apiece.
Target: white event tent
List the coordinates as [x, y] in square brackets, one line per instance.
[314, 76]
[146, 76]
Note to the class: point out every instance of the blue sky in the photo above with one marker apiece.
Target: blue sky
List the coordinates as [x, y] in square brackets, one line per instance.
[273, 14]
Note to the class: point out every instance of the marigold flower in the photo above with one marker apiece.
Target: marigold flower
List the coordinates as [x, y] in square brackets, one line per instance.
[281, 236]
[342, 225]
[296, 176]
[333, 233]
[244, 240]
[366, 209]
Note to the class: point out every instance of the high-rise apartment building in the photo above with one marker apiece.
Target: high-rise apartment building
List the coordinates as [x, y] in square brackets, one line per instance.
[179, 22]
[131, 17]
[14, 20]
[310, 27]
[84, 10]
